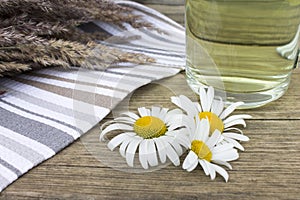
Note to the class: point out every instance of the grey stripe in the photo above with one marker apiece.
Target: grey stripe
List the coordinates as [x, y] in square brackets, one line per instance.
[45, 117]
[142, 49]
[121, 73]
[119, 80]
[10, 167]
[49, 105]
[3, 182]
[22, 150]
[45, 134]
[80, 80]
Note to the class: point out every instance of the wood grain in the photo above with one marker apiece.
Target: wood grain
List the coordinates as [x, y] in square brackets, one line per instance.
[268, 169]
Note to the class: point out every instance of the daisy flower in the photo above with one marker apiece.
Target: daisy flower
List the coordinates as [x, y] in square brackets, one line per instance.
[212, 108]
[153, 134]
[203, 150]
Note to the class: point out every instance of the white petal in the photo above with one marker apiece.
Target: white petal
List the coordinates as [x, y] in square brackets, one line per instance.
[152, 157]
[236, 122]
[155, 111]
[186, 104]
[235, 117]
[217, 106]
[202, 130]
[236, 136]
[192, 166]
[229, 155]
[127, 120]
[143, 154]
[211, 170]
[230, 109]
[144, 111]
[176, 101]
[131, 114]
[222, 147]
[221, 171]
[177, 147]
[204, 167]
[124, 146]
[175, 123]
[182, 138]
[233, 129]
[191, 125]
[235, 143]
[163, 113]
[221, 139]
[161, 149]
[114, 127]
[117, 140]
[131, 149]
[197, 134]
[197, 105]
[203, 99]
[172, 155]
[212, 173]
[171, 115]
[190, 159]
[172, 141]
[213, 139]
[210, 97]
[221, 162]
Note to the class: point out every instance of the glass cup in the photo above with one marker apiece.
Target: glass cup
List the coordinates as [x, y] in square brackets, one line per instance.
[243, 48]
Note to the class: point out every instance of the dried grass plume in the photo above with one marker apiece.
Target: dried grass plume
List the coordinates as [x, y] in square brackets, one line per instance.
[43, 33]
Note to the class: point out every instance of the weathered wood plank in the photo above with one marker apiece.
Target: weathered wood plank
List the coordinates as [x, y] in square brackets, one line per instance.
[269, 168]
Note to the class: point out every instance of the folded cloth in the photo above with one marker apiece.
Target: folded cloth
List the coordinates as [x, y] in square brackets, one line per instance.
[44, 111]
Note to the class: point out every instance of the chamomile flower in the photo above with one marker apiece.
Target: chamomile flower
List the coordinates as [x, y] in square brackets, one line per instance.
[203, 150]
[153, 134]
[212, 108]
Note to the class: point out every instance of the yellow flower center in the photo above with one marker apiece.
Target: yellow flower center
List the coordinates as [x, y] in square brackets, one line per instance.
[214, 121]
[149, 127]
[201, 149]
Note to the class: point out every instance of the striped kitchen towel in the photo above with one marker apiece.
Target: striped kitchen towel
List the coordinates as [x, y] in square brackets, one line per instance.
[44, 111]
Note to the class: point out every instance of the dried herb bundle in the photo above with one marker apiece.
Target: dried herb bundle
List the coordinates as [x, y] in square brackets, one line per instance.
[41, 33]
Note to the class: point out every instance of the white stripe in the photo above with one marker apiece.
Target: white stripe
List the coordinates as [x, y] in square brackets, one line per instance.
[132, 71]
[32, 144]
[100, 78]
[140, 70]
[54, 124]
[63, 101]
[157, 69]
[7, 173]
[77, 86]
[48, 113]
[14, 159]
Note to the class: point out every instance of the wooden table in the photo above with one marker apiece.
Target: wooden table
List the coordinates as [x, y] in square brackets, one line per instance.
[268, 169]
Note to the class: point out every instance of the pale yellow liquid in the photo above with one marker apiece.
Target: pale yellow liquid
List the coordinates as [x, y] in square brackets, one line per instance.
[233, 46]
